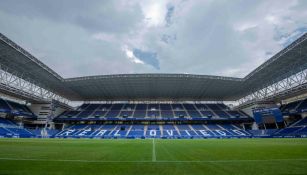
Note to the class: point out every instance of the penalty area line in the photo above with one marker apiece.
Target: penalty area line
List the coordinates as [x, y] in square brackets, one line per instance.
[153, 150]
[159, 161]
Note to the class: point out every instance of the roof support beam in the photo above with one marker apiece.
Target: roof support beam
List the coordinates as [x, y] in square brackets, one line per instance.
[19, 86]
[280, 88]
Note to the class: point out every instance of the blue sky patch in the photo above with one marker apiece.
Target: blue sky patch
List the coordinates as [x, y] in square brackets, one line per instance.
[147, 57]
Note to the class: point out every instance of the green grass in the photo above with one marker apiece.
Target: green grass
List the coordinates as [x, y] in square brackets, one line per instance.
[141, 157]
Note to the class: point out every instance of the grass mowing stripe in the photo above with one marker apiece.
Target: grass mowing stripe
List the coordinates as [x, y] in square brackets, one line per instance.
[153, 150]
[173, 157]
[159, 161]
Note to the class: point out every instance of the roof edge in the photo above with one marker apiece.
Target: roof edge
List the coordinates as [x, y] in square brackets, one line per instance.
[151, 75]
[276, 56]
[30, 56]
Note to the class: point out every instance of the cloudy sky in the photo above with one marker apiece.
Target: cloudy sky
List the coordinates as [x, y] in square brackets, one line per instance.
[213, 37]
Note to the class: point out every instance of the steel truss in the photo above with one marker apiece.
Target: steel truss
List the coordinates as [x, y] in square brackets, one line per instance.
[15, 84]
[290, 85]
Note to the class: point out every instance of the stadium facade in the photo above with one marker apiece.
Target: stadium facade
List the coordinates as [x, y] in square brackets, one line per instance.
[35, 101]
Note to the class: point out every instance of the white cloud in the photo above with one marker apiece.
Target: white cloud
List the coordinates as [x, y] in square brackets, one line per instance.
[272, 19]
[104, 37]
[245, 26]
[131, 57]
[154, 14]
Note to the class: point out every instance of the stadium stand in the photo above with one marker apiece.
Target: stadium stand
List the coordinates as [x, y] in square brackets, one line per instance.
[152, 131]
[11, 129]
[152, 111]
[4, 107]
[14, 108]
[302, 122]
[170, 131]
[295, 107]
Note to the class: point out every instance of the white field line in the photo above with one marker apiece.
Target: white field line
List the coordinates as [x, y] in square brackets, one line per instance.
[159, 161]
[153, 150]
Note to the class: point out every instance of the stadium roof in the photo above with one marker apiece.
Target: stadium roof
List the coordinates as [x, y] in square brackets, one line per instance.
[287, 62]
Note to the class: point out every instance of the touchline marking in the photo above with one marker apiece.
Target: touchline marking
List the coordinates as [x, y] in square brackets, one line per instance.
[153, 150]
[148, 161]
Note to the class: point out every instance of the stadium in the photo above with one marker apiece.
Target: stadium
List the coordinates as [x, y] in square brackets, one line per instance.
[153, 123]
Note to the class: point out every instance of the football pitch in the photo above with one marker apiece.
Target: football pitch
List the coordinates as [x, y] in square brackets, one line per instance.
[153, 156]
